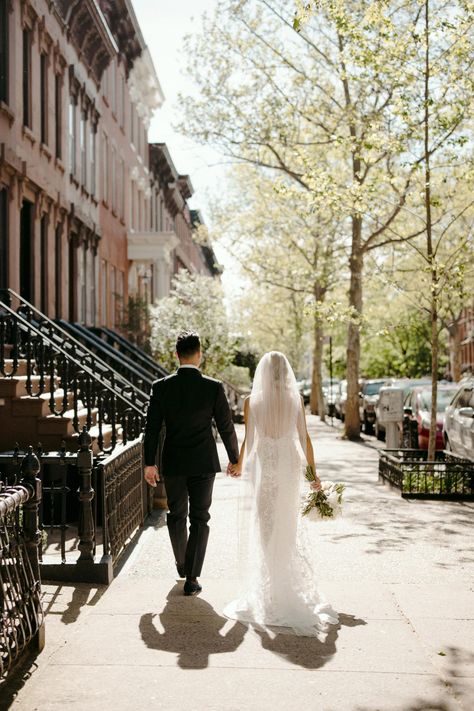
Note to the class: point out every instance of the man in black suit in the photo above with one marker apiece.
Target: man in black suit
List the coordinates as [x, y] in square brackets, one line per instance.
[187, 402]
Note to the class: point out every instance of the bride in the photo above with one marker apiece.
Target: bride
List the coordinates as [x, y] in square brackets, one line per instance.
[278, 585]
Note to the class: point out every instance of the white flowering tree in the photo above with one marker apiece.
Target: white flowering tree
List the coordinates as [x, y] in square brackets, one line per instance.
[291, 258]
[312, 108]
[195, 302]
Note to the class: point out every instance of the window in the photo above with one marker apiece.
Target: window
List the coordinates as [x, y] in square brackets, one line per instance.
[83, 148]
[83, 283]
[113, 87]
[92, 149]
[4, 50]
[114, 177]
[57, 271]
[27, 78]
[44, 263]
[121, 297]
[72, 136]
[44, 97]
[113, 297]
[122, 97]
[3, 238]
[103, 292]
[57, 115]
[105, 169]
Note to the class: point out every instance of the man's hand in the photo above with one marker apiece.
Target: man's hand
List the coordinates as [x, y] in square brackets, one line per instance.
[152, 475]
[234, 470]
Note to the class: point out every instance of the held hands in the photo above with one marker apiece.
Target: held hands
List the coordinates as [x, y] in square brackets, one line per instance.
[151, 475]
[234, 470]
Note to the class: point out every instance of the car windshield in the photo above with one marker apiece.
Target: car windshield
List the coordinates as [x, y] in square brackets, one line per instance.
[372, 388]
[443, 399]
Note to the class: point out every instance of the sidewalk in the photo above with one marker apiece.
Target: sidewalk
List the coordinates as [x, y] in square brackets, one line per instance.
[400, 573]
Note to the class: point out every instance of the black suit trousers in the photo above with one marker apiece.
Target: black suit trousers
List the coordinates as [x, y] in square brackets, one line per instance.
[191, 494]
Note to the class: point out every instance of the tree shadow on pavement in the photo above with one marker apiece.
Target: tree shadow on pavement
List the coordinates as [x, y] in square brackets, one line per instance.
[306, 652]
[191, 629]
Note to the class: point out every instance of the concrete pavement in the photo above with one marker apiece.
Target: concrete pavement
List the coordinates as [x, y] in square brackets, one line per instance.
[400, 574]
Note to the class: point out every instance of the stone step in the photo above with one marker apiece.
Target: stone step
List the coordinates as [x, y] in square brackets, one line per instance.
[26, 405]
[21, 367]
[16, 387]
[52, 424]
[72, 441]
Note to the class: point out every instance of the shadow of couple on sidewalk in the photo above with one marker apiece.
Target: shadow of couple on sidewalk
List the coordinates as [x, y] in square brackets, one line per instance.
[193, 630]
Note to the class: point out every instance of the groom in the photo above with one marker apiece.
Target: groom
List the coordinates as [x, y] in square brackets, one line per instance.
[187, 402]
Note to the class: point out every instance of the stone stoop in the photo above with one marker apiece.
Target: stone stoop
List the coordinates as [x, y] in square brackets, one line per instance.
[26, 419]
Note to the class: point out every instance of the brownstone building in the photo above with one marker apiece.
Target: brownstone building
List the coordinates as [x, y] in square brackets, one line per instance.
[87, 208]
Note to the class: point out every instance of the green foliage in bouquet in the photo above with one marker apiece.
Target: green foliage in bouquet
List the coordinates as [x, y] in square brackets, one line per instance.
[319, 499]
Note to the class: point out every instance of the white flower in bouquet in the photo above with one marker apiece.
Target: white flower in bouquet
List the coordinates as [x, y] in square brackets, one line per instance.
[324, 503]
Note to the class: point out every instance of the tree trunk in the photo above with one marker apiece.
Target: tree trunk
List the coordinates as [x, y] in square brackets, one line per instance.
[429, 244]
[316, 401]
[455, 354]
[352, 419]
[434, 372]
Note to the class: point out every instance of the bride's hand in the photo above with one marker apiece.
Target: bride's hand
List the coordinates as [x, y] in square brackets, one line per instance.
[316, 484]
[235, 470]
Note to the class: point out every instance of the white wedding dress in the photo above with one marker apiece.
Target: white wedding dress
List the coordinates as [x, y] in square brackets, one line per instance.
[278, 587]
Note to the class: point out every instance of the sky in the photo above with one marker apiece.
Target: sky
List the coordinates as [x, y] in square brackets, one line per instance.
[164, 24]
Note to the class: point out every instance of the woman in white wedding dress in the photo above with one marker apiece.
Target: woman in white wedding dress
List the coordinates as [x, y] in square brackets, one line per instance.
[278, 587]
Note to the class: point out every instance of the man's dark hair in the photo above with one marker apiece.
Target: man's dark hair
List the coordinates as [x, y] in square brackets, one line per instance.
[187, 344]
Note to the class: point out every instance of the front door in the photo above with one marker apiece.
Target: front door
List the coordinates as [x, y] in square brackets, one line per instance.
[26, 251]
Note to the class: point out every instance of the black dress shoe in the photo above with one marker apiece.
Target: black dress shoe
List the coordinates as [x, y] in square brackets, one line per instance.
[180, 569]
[192, 587]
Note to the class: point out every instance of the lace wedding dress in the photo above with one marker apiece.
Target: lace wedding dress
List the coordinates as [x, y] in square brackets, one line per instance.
[278, 586]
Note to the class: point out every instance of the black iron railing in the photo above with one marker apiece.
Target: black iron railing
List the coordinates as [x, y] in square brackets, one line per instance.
[448, 477]
[131, 350]
[126, 498]
[131, 370]
[21, 615]
[63, 337]
[90, 505]
[72, 387]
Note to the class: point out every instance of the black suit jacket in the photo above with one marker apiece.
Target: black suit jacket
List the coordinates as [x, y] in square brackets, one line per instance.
[187, 401]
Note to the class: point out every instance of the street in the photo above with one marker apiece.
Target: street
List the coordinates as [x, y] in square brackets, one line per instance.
[400, 573]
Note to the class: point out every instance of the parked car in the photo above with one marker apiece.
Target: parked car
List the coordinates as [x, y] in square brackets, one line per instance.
[368, 398]
[459, 421]
[330, 389]
[406, 384]
[340, 400]
[417, 407]
[305, 389]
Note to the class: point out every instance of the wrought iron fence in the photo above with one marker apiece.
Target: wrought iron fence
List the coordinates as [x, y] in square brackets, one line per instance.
[91, 505]
[21, 615]
[448, 477]
[125, 495]
[64, 338]
[70, 385]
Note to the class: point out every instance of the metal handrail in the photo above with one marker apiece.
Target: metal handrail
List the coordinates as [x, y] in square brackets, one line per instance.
[28, 325]
[135, 373]
[124, 344]
[119, 383]
[47, 362]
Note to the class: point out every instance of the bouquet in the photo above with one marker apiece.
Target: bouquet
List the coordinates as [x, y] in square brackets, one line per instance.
[325, 502]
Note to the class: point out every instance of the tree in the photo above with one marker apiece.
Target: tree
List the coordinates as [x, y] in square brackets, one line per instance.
[283, 244]
[313, 108]
[195, 302]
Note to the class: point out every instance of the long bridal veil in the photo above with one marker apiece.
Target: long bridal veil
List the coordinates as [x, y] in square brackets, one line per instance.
[277, 583]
